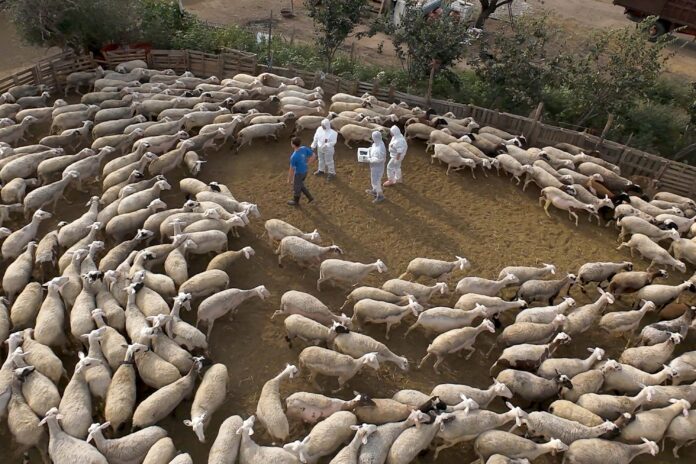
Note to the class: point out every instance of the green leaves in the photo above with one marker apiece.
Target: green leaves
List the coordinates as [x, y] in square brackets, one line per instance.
[334, 21]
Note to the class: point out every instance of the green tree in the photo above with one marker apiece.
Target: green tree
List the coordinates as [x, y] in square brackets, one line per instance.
[614, 70]
[334, 21]
[76, 24]
[519, 66]
[488, 7]
[425, 43]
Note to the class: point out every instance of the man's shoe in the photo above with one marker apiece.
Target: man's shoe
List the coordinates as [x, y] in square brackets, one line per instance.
[330, 177]
[310, 200]
[293, 203]
[318, 173]
[370, 191]
[378, 199]
[388, 183]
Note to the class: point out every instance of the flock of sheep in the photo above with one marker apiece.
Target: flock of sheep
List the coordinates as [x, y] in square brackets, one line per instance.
[110, 286]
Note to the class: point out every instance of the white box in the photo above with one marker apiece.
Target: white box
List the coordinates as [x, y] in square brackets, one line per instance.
[363, 155]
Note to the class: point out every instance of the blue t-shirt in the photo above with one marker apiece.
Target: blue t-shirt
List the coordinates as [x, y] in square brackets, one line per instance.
[298, 160]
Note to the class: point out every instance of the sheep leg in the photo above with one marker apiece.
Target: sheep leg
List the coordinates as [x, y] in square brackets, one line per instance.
[319, 281]
[472, 174]
[471, 351]
[425, 358]
[345, 142]
[438, 361]
[448, 170]
[546, 207]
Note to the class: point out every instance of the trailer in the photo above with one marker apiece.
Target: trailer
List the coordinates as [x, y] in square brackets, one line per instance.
[672, 14]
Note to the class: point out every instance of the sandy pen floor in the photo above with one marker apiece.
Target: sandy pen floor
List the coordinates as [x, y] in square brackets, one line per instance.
[489, 221]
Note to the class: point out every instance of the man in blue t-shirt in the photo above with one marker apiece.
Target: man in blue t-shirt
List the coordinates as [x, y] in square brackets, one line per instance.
[301, 155]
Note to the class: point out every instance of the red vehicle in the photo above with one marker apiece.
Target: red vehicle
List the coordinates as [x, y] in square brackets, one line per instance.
[672, 14]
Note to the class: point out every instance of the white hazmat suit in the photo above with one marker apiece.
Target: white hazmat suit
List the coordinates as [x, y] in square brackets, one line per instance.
[377, 155]
[397, 152]
[325, 139]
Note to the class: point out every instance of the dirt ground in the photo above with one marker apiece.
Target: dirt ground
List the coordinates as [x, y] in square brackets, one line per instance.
[489, 221]
[576, 16]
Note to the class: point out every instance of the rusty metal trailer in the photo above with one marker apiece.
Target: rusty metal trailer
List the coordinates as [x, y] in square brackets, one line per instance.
[672, 14]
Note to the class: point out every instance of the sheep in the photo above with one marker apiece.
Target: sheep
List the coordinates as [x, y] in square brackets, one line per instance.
[14, 244]
[39, 392]
[382, 312]
[454, 341]
[530, 332]
[346, 273]
[436, 269]
[120, 397]
[544, 424]
[531, 387]
[26, 165]
[355, 133]
[18, 273]
[486, 287]
[130, 448]
[22, 422]
[125, 224]
[79, 79]
[651, 209]
[303, 252]
[684, 249]
[225, 448]
[442, 319]
[494, 304]
[660, 331]
[497, 442]
[357, 345]
[611, 179]
[269, 409]
[313, 407]
[226, 301]
[624, 323]
[561, 200]
[298, 326]
[324, 438]
[582, 318]
[161, 403]
[650, 250]
[634, 225]
[627, 379]
[595, 451]
[467, 425]
[422, 293]
[294, 302]
[414, 440]
[209, 397]
[545, 290]
[600, 272]
[76, 403]
[450, 156]
[277, 230]
[62, 447]
[25, 307]
[327, 362]
[249, 133]
[630, 282]
[528, 357]
[653, 424]
[545, 314]
[525, 273]
[651, 358]
[569, 366]
[611, 407]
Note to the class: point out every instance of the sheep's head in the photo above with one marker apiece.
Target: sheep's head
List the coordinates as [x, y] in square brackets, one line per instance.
[247, 426]
[675, 339]
[381, 267]
[248, 252]
[562, 338]
[198, 426]
[597, 353]
[262, 292]
[652, 447]
[610, 365]
[462, 263]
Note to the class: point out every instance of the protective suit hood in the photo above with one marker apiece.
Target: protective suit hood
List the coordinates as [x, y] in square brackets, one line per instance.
[326, 124]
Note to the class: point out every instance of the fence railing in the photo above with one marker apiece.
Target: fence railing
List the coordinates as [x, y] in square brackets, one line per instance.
[674, 177]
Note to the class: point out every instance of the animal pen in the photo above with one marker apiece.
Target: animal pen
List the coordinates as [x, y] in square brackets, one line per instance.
[673, 176]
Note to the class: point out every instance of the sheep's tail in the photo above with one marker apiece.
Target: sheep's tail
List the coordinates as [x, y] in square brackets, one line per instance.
[405, 274]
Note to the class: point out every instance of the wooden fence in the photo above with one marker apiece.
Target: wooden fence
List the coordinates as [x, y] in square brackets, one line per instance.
[674, 176]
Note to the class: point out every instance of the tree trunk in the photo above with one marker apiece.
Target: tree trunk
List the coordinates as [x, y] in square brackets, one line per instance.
[488, 7]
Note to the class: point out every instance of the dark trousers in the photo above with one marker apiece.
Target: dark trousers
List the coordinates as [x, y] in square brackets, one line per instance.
[298, 187]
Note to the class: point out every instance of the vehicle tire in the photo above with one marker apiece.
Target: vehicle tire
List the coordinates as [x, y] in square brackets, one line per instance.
[659, 28]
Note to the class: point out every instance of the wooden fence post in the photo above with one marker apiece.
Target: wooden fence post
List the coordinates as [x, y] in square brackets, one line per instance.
[375, 86]
[356, 88]
[187, 60]
[536, 124]
[605, 131]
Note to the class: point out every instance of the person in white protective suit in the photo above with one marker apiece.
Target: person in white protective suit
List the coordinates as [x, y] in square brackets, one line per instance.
[325, 139]
[397, 152]
[377, 156]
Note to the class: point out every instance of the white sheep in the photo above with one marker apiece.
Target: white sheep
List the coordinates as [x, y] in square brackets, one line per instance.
[277, 230]
[209, 397]
[319, 360]
[652, 251]
[381, 312]
[346, 273]
[435, 269]
[222, 303]
[303, 252]
[269, 408]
